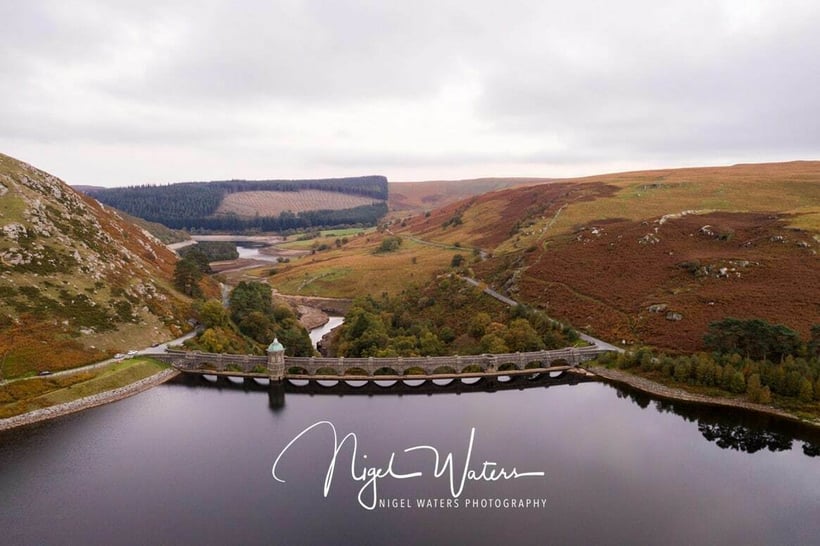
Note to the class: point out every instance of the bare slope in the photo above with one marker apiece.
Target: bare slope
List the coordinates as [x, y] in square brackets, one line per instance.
[77, 281]
[273, 203]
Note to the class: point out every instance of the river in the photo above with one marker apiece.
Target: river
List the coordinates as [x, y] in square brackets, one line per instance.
[252, 251]
[188, 462]
[317, 333]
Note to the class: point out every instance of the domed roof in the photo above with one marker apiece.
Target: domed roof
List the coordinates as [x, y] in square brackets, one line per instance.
[275, 346]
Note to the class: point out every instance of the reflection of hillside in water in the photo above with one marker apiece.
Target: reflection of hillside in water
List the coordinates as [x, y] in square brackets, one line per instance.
[735, 429]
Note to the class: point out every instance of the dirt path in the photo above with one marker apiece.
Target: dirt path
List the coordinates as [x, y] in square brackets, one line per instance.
[311, 317]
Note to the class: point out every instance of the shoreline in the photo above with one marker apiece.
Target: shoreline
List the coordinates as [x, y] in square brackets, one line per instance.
[671, 393]
[605, 374]
[88, 402]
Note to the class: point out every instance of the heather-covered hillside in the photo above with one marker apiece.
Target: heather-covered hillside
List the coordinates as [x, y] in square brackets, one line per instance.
[650, 257]
[77, 281]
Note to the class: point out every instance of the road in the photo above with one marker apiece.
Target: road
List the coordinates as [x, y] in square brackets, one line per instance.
[599, 343]
[148, 352]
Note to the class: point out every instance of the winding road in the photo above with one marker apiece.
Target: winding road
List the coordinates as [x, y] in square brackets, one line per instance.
[598, 343]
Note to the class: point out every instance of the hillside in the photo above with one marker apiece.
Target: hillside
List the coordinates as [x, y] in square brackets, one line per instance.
[260, 205]
[645, 257]
[78, 282]
[428, 195]
[652, 257]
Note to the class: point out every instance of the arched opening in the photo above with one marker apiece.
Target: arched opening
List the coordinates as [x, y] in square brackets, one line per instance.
[326, 370]
[555, 363]
[386, 371]
[297, 370]
[409, 372]
[356, 371]
[441, 370]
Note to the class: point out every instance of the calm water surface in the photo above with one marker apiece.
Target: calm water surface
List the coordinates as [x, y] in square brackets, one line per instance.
[186, 463]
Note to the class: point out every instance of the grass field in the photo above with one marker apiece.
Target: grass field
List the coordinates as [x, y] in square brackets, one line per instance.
[273, 203]
[346, 232]
[354, 270]
[40, 392]
[785, 188]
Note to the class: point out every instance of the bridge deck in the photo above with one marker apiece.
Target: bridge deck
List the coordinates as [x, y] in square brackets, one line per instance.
[408, 377]
[380, 369]
[428, 377]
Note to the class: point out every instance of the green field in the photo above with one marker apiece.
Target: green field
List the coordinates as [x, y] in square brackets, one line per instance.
[27, 395]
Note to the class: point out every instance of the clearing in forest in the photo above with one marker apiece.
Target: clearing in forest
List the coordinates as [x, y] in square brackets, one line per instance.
[273, 203]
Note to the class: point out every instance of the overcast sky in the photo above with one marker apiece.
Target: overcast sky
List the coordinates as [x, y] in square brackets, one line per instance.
[116, 92]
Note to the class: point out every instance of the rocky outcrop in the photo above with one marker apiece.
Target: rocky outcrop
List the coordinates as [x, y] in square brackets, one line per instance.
[71, 269]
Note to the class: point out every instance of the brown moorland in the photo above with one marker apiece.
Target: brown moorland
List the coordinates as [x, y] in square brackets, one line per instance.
[696, 245]
[432, 194]
[661, 284]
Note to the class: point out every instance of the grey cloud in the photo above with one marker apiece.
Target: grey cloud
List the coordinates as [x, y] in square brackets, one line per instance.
[696, 90]
[556, 82]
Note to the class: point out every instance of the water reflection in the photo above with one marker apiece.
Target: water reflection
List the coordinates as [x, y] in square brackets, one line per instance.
[727, 428]
[191, 463]
[741, 438]
[735, 429]
[276, 396]
[415, 386]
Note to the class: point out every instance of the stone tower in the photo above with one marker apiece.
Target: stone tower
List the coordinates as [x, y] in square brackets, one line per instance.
[276, 361]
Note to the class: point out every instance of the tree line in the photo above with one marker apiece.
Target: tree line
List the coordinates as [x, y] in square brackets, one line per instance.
[361, 216]
[751, 357]
[211, 251]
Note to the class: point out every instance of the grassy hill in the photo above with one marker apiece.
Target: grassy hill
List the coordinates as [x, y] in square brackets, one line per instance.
[416, 197]
[78, 282]
[645, 257]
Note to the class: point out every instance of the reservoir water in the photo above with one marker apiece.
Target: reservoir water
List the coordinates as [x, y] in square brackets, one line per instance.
[190, 462]
[252, 251]
[317, 333]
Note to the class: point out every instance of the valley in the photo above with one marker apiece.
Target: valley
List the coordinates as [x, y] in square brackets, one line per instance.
[644, 259]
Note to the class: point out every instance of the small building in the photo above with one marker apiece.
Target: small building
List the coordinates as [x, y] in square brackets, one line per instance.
[276, 360]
